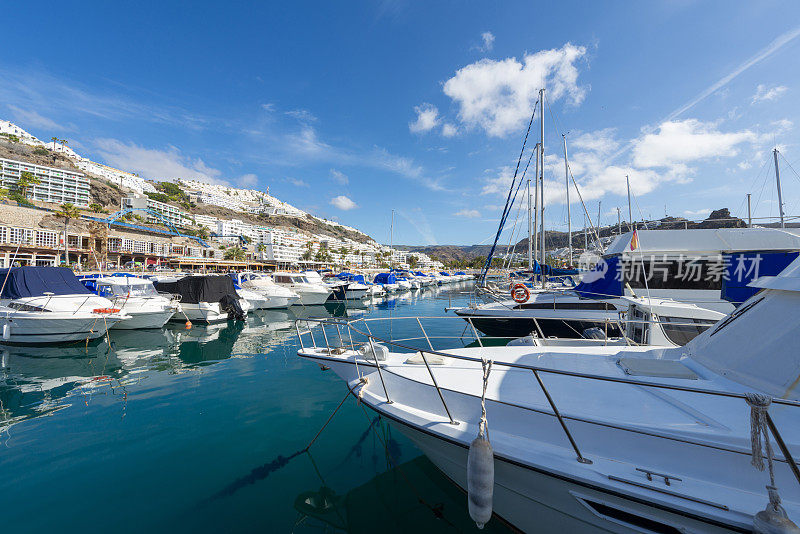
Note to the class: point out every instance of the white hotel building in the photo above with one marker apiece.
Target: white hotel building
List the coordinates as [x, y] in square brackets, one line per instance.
[175, 216]
[56, 185]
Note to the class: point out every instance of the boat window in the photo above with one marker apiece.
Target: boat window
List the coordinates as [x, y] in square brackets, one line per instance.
[673, 273]
[681, 330]
[283, 279]
[26, 307]
[138, 290]
[637, 326]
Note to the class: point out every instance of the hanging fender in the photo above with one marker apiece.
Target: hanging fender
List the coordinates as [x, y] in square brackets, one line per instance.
[520, 293]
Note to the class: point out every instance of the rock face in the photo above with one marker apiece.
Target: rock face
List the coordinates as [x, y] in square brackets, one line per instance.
[721, 218]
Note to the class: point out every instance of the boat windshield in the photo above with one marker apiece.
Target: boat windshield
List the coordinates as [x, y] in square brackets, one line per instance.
[137, 290]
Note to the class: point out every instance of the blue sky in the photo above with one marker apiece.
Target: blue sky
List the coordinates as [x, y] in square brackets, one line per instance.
[350, 110]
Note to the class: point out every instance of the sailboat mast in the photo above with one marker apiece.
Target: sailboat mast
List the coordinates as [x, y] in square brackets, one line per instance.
[530, 226]
[569, 213]
[536, 205]
[541, 175]
[630, 210]
[391, 241]
[778, 180]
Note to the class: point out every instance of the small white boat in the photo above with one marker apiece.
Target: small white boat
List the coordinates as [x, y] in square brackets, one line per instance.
[206, 298]
[310, 294]
[137, 298]
[50, 305]
[270, 295]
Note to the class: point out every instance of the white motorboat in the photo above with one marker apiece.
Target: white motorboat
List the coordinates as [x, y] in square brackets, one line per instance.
[206, 298]
[710, 268]
[611, 438]
[310, 293]
[50, 305]
[272, 295]
[135, 297]
[357, 287]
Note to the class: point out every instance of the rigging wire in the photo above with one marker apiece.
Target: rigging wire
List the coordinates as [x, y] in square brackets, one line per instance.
[507, 207]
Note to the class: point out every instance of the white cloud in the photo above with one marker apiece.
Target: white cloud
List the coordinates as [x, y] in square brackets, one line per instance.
[498, 95]
[343, 203]
[597, 141]
[31, 119]
[488, 41]
[679, 142]
[697, 214]
[468, 214]
[296, 182]
[339, 177]
[247, 180]
[764, 94]
[153, 163]
[449, 130]
[427, 118]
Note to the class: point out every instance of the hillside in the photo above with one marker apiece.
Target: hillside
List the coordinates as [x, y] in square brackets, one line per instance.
[720, 218]
[108, 189]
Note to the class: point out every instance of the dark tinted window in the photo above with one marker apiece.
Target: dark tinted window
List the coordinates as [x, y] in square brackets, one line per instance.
[589, 305]
[678, 273]
[681, 330]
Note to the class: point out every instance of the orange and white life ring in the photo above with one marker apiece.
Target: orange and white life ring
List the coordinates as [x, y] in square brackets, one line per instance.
[520, 293]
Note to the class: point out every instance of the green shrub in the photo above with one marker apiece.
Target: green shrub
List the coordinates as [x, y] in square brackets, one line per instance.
[41, 151]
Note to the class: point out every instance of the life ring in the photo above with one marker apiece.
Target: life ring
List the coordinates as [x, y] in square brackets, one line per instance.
[520, 293]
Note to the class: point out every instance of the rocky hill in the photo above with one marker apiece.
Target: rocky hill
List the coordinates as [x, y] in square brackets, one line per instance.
[720, 218]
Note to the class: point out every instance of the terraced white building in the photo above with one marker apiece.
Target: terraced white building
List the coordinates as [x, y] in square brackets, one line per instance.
[55, 185]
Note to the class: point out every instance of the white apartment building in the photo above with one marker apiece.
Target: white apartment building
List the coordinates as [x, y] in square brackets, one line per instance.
[206, 220]
[116, 176]
[172, 214]
[56, 185]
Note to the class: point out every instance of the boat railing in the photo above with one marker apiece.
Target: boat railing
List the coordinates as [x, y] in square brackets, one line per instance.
[367, 336]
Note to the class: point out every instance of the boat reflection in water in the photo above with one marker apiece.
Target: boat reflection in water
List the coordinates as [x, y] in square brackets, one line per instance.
[411, 497]
[39, 380]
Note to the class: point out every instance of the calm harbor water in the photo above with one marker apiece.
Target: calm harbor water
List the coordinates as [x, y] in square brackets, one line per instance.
[196, 429]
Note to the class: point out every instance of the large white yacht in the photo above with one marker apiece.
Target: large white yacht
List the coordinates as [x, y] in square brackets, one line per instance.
[696, 438]
[710, 268]
[271, 294]
[137, 298]
[50, 305]
[310, 293]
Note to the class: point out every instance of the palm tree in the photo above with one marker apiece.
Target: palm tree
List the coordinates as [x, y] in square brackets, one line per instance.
[54, 140]
[68, 211]
[26, 179]
[234, 253]
[63, 142]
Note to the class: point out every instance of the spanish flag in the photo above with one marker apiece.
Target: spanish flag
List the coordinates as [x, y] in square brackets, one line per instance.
[634, 241]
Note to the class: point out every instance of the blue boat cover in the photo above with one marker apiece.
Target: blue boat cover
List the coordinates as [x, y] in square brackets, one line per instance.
[36, 281]
[350, 277]
[743, 268]
[385, 278]
[602, 281]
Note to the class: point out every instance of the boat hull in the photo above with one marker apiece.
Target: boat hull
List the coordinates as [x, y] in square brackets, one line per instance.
[535, 501]
[146, 319]
[35, 330]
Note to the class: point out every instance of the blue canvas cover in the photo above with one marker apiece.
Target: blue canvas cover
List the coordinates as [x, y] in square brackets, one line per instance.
[36, 281]
[350, 277]
[743, 268]
[385, 278]
[602, 281]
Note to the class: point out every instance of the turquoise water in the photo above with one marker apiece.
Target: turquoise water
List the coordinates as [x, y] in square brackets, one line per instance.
[194, 430]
